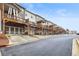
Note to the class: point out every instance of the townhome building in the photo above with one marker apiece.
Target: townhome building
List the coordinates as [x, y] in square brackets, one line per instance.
[59, 30]
[50, 28]
[31, 22]
[41, 22]
[12, 18]
[15, 19]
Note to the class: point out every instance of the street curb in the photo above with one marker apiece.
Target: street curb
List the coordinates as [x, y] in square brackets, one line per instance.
[0, 53]
[75, 47]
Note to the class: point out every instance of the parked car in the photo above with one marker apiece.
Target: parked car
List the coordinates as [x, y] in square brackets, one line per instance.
[3, 40]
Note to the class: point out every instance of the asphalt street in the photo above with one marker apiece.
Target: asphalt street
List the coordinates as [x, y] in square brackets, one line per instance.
[53, 46]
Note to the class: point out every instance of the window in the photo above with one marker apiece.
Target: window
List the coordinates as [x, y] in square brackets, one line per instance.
[16, 30]
[31, 17]
[25, 14]
[12, 30]
[7, 30]
[21, 30]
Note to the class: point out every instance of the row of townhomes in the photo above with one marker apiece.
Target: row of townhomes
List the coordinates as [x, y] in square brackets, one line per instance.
[15, 19]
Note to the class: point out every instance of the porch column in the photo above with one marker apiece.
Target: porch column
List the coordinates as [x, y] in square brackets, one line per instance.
[28, 28]
[42, 30]
[9, 30]
[3, 22]
[19, 32]
[52, 30]
[14, 30]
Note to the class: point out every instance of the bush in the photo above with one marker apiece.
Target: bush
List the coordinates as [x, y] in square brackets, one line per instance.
[3, 40]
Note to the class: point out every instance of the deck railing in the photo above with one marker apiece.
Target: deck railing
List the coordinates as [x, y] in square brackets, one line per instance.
[15, 18]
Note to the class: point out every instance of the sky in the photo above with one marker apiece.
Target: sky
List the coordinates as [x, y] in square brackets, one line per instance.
[65, 15]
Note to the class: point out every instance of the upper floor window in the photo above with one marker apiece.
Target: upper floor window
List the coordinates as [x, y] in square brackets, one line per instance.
[25, 14]
[31, 17]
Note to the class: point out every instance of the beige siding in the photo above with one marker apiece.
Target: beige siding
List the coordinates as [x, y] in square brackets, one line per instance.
[30, 16]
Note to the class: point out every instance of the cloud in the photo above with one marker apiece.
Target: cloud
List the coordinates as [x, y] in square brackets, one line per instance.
[30, 5]
[62, 12]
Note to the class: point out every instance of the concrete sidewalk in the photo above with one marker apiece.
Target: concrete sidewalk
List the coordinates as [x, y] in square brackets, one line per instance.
[21, 39]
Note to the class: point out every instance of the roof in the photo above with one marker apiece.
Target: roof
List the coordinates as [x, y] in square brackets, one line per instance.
[20, 6]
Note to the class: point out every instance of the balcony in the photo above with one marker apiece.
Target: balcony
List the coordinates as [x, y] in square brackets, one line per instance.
[12, 18]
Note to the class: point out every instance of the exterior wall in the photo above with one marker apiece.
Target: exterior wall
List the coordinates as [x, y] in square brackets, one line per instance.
[40, 25]
[50, 28]
[22, 14]
[15, 15]
[30, 16]
[32, 21]
[14, 12]
[39, 18]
